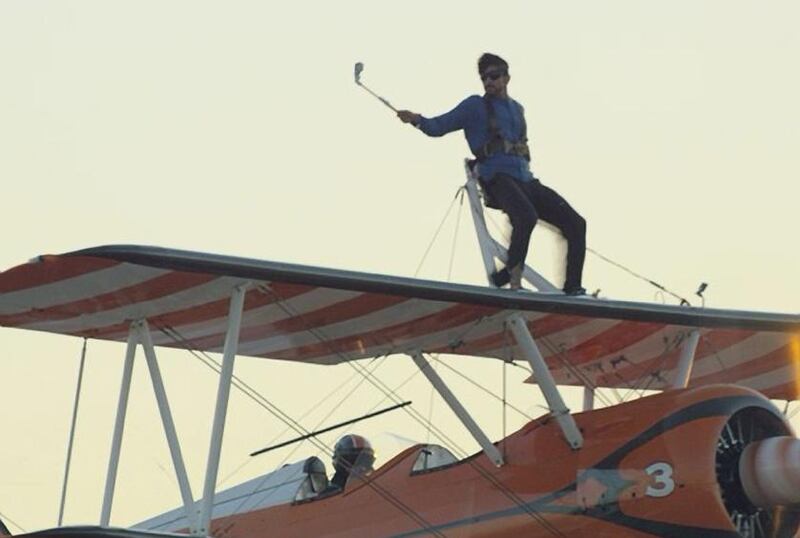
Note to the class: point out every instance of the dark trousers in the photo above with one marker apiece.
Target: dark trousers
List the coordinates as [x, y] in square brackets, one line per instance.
[525, 202]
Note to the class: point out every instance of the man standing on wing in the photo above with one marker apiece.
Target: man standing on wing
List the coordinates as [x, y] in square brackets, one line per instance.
[495, 129]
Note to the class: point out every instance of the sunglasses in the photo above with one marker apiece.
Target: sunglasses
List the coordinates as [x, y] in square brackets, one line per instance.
[493, 75]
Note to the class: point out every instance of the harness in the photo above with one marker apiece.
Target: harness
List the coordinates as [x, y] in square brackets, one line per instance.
[498, 144]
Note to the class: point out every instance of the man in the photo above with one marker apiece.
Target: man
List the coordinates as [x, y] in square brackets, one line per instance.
[495, 129]
[352, 457]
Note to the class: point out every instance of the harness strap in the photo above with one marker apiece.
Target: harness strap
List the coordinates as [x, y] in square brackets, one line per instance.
[496, 142]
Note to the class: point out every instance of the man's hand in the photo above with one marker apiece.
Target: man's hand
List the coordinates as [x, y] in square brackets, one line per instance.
[406, 116]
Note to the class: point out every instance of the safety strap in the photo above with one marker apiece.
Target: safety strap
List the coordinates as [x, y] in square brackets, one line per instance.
[496, 142]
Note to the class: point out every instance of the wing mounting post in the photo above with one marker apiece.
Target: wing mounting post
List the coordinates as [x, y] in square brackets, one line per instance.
[545, 381]
[489, 449]
[221, 409]
[683, 372]
[490, 248]
[119, 426]
[167, 421]
[139, 334]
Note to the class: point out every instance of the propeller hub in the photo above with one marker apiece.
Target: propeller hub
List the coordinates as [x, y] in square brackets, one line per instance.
[770, 472]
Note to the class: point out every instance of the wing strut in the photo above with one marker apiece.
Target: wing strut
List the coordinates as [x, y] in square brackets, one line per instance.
[71, 443]
[221, 409]
[168, 423]
[491, 451]
[588, 398]
[684, 370]
[119, 427]
[490, 248]
[139, 333]
[545, 381]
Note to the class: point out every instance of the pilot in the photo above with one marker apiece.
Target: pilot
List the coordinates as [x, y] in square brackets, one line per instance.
[352, 455]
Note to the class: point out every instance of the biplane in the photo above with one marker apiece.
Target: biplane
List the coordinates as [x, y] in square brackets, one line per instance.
[708, 455]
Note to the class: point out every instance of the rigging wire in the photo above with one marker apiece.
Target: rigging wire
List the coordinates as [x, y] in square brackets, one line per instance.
[565, 361]
[663, 289]
[237, 382]
[484, 389]
[266, 404]
[683, 301]
[303, 416]
[375, 381]
[368, 375]
[561, 356]
[462, 454]
[460, 199]
[8, 519]
[438, 230]
[664, 356]
[322, 339]
[462, 190]
[539, 518]
[333, 409]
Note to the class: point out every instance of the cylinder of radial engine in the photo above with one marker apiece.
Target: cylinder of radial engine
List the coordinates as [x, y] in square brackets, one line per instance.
[770, 472]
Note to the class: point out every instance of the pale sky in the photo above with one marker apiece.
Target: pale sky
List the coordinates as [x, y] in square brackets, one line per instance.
[236, 128]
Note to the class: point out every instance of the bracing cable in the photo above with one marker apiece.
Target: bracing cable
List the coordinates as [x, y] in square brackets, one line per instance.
[462, 190]
[436, 233]
[683, 301]
[277, 412]
[660, 287]
[304, 415]
[539, 518]
[484, 389]
[298, 445]
[560, 355]
[8, 519]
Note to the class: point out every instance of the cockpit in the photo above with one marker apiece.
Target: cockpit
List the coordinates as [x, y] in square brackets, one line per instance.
[304, 481]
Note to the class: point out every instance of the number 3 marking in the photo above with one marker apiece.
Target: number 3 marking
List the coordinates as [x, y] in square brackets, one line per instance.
[661, 474]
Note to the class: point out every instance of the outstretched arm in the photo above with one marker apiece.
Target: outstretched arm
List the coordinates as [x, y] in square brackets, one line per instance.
[448, 122]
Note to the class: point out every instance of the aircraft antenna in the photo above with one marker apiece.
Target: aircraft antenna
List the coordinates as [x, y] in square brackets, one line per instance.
[329, 428]
[699, 292]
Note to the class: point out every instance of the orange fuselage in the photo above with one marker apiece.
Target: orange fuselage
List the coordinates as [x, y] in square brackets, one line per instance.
[647, 468]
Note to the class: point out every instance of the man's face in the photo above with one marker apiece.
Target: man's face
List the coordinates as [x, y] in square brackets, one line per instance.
[495, 80]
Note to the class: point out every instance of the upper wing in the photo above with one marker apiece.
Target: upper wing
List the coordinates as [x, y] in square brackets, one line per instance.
[327, 316]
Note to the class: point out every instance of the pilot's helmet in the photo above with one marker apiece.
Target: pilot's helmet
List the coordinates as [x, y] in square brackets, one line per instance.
[353, 452]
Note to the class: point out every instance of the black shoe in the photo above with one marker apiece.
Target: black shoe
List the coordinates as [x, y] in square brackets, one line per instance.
[574, 291]
[500, 278]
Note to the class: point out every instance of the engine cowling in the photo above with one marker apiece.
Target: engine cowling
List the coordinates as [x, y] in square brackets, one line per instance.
[758, 470]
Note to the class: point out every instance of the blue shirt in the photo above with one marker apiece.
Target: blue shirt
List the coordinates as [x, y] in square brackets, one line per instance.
[472, 117]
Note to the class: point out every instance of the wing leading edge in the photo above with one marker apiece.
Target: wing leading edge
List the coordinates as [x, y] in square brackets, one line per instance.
[328, 316]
